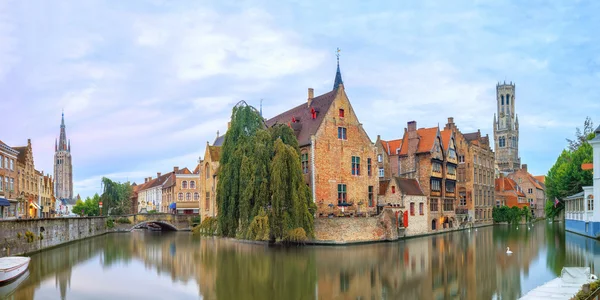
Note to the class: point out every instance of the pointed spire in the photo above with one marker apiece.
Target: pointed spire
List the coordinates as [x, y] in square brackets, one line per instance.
[55, 145]
[69, 145]
[338, 74]
[62, 122]
[62, 141]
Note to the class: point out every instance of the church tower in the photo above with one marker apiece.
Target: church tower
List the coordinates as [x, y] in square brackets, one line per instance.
[63, 169]
[506, 129]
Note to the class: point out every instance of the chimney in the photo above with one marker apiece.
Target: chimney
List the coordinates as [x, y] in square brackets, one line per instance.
[412, 126]
[157, 174]
[524, 167]
[175, 169]
[378, 137]
[311, 95]
[450, 124]
[413, 137]
[28, 141]
[146, 180]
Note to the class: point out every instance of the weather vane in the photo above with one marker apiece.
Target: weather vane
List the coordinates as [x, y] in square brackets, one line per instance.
[337, 54]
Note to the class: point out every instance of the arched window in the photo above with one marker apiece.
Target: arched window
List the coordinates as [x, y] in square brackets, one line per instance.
[184, 184]
[188, 196]
[207, 171]
[507, 99]
[502, 97]
[196, 196]
[433, 224]
[180, 196]
[192, 184]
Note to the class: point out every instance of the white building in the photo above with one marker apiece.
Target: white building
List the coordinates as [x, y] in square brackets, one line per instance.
[582, 214]
[150, 193]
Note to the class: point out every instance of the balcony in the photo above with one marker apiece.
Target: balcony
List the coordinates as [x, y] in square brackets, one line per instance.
[462, 211]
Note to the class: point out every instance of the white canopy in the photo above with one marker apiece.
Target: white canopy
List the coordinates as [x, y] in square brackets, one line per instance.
[564, 287]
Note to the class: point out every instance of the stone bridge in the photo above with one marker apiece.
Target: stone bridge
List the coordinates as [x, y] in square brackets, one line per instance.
[165, 221]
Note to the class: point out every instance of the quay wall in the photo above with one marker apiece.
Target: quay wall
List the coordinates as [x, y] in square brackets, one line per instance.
[30, 235]
[357, 229]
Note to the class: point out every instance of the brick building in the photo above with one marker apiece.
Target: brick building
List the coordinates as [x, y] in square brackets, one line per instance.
[47, 198]
[475, 174]
[183, 189]
[408, 202]
[150, 193]
[508, 193]
[8, 181]
[336, 153]
[387, 157]
[534, 190]
[423, 157]
[28, 182]
[207, 169]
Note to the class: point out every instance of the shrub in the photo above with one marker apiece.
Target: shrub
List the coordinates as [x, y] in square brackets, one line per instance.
[153, 211]
[259, 227]
[29, 236]
[123, 220]
[581, 295]
[296, 235]
[207, 227]
[195, 221]
[110, 223]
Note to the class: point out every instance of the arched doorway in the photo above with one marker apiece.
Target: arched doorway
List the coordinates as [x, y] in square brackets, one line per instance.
[434, 224]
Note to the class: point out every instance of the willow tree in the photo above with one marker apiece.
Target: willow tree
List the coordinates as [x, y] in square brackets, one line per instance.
[116, 197]
[290, 199]
[237, 190]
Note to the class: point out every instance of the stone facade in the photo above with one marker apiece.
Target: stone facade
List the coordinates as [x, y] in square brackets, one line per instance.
[207, 170]
[506, 130]
[8, 180]
[188, 191]
[47, 196]
[408, 202]
[423, 157]
[63, 167]
[356, 230]
[534, 190]
[335, 151]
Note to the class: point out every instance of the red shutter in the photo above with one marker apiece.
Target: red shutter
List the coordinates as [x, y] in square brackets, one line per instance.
[405, 219]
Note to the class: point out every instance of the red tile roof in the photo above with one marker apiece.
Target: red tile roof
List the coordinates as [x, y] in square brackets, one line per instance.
[446, 135]
[426, 140]
[392, 147]
[305, 125]
[409, 186]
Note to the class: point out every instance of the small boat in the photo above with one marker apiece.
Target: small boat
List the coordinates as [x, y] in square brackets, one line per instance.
[154, 227]
[12, 266]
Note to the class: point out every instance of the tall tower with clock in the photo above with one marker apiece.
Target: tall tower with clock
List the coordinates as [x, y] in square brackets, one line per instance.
[506, 129]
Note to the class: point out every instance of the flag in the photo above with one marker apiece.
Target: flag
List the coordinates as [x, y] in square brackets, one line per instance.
[555, 201]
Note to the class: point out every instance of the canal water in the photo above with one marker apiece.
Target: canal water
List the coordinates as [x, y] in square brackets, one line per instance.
[176, 265]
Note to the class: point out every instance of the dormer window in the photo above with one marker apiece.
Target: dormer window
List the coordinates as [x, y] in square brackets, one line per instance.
[313, 113]
[341, 113]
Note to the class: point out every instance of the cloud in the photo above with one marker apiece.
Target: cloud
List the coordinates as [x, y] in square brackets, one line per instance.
[146, 90]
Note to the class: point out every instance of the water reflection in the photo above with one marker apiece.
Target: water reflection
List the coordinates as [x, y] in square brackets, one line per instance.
[461, 265]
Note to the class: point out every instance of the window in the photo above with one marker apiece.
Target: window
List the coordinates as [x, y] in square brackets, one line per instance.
[421, 212]
[341, 113]
[452, 154]
[355, 165]
[6, 162]
[590, 202]
[342, 133]
[393, 189]
[412, 208]
[1, 162]
[436, 185]
[207, 171]
[381, 173]
[530, 191]
[207, 201]
[188, 196]
[433, 204]
[192, 184]
[437, 167]
[12, 184]
[451, 170]
[461, 158]
[184, 184]
[180, 196]
[502, 97]
[507, 99]
[12, 164]
[463, 199]
[371, 204]
[304, 160]
[502, 142]
[450, 186]
[448, 204]
[379, 158]
[369, 166]
[1, 181]
[341, 193]
[196, 196]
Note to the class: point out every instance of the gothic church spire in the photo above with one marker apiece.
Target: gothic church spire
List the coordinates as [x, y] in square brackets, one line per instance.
[338, 74]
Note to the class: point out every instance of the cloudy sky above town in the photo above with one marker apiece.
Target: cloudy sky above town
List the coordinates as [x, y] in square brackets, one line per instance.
[145, 84]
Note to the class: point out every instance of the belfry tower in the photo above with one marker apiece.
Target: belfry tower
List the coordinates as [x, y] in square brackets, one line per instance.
[63, 169]
[506, 129]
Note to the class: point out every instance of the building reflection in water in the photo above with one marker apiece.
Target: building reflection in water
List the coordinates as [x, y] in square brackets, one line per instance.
[460, 265]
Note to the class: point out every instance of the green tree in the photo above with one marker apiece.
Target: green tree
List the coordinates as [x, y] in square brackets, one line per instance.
[116, 197]
[255, 176]
[566, 177]
[89, 207]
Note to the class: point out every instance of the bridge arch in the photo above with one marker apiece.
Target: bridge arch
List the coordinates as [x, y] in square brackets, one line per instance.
[162, 224]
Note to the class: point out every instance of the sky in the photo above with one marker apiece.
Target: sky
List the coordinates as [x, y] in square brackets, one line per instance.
[144, 85]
